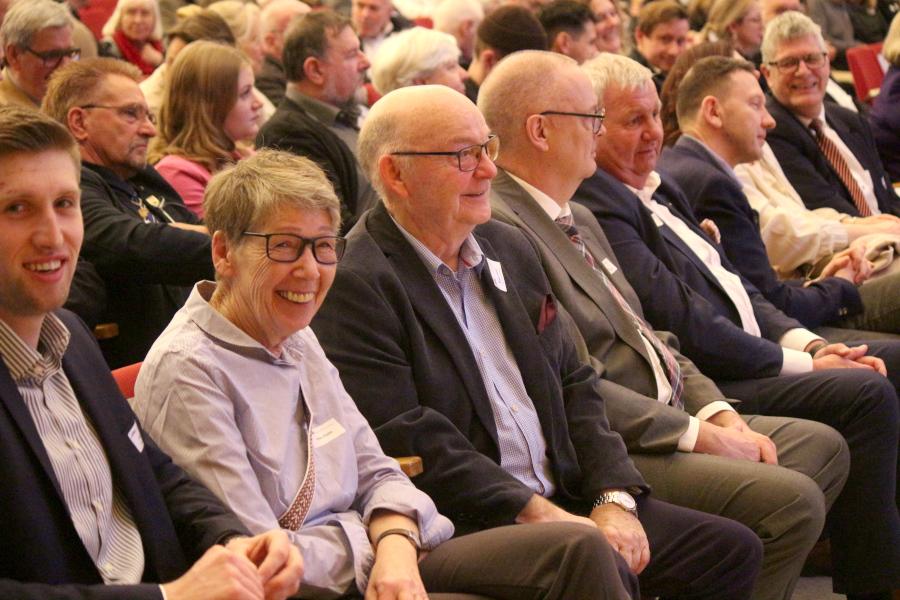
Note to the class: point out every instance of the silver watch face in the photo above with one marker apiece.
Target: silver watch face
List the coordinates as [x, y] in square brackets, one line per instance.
[623, 499]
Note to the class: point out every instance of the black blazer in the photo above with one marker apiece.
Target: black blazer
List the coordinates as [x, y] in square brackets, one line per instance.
[717, 195]
[148, 268]
[810, 172]
[676, 290]
[405, 361]
[178, 518]
[294, 130]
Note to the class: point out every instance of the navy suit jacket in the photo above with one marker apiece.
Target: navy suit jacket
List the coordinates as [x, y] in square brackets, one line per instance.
[677, 290]
[406, 362]
[42, 556]
[717, 195]
[810, 172]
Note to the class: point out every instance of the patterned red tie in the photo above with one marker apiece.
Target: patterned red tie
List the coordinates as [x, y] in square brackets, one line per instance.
[296, 513]
[673, 369]
[840, 166]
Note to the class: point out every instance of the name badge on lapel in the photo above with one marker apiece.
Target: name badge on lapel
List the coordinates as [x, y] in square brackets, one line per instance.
[657, 220]
[609, 266]
[134, 434]
[496, 274]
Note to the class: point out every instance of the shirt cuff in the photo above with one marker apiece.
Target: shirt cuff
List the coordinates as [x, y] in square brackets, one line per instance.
[840, 239]
[163, 592]
[713, 408]
[795, 362]
[688, 439]
[798, 339]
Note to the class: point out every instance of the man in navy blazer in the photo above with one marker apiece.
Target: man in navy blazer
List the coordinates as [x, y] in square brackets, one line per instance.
[798, 91]
[754, 352]
[87, 499]
[723, 119]
[446, 333]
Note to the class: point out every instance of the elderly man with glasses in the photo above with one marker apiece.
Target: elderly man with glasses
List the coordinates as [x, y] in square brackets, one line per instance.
[146, 245]
[446, 334]
[827, 152]
[36, 38]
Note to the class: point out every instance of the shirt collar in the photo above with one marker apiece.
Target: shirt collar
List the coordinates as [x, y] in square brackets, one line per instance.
[470, 254]
[321, 111]
[650, 187]
[807, 121]
[715, 157]
[550, 206]
[26, 364]
[215, 325]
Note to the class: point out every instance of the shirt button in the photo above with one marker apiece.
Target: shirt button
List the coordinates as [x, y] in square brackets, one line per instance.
[73, 444]
[97, 505]
[515, 408]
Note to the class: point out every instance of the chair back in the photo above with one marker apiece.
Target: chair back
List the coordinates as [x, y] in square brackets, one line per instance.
[125, 378]
[867, 71]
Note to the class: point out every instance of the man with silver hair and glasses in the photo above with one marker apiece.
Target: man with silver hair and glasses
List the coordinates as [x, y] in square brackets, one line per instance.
[754, 352]
[418, 56]
[448, 337]
[827, 152]
[684, 436]
[36, 37]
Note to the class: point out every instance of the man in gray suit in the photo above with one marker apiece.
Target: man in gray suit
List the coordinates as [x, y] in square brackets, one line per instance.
[683, 435]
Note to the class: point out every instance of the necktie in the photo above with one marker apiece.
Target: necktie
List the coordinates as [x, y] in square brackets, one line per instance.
[840, 166]
[296, 513]
[673, 370]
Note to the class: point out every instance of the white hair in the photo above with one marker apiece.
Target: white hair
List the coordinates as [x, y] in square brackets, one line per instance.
[25, 19]
[449, 14]
[115, 19]
[609, 69]
[239, 16]
[274, 11]
[410, 55]
[788, 26]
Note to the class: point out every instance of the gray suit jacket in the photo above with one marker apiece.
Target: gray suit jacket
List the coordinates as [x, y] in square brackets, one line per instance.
[617, 351]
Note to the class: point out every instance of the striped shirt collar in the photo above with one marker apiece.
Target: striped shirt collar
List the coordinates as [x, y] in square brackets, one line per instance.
[26, 364]
[470, 254]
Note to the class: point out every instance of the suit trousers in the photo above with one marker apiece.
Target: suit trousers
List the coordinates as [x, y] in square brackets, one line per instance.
[785, 505]
[693, 556]
[863, 522]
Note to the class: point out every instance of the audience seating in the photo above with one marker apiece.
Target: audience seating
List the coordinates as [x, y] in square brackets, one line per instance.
[866, 70]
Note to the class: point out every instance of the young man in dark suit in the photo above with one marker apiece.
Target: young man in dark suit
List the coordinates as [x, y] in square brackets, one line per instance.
[447, 336]
[86, 498]
[752, 350]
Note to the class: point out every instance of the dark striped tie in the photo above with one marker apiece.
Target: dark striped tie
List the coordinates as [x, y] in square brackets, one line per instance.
[840, 166]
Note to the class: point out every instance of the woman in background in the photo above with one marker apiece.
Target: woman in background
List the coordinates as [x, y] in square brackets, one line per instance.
[134, 33]
[885, 115]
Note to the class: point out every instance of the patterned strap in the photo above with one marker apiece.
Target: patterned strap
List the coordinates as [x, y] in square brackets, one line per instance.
[296, 513]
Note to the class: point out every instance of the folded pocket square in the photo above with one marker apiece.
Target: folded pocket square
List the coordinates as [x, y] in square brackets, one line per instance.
[548, 313]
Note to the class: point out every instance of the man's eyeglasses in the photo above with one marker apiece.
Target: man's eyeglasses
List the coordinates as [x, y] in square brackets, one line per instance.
[791, 63]
[132, 113]
[596, 118]
[287, 247]
[52, 58]
[469, 157]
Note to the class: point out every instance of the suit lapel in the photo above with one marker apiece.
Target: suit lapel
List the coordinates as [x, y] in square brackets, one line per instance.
[432, 309]
[534, 217]
[18, 411]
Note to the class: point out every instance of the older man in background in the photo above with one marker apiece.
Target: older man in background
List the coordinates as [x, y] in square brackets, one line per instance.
[461, 19]
[36, 37]
[274, 19]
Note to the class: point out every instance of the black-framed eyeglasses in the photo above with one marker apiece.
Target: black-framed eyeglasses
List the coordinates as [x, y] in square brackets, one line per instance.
[790, 64]
[132, 113]
[469, 157]
[287, 247]
[52, 58]
[596, 118]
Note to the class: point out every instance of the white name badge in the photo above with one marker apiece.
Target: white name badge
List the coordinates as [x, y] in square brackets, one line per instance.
[496, 274]
[657, 220]
[609, 266]
[134, 434]
[326, 432]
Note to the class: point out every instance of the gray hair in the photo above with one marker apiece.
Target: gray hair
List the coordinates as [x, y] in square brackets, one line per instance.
[240, 17]
[519, 83]
[109, 28]
[249, 192]
[274, 11]
[378, 136]
[609, 69]
[788, 26]
[25, 19]
[410, 55]
[450, 13]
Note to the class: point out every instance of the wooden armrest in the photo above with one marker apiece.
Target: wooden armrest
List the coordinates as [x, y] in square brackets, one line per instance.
[105, 331]
[411, 465]
[845, 77]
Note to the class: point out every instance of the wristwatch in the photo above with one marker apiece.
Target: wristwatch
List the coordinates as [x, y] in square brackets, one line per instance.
[623, 500]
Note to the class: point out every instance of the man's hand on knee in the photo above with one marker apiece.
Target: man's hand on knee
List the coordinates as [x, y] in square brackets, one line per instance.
[625, 534]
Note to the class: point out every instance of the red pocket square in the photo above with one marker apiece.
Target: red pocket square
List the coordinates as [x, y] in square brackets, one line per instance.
[548, 313]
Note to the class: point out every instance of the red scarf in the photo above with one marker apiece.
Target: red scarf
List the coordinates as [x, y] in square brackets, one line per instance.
[132, 53]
